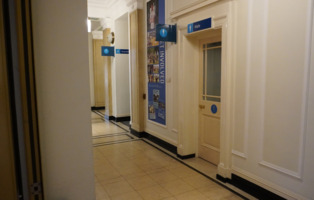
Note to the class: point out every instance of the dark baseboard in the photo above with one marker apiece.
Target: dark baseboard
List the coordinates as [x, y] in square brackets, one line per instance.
[163, 144]
[109, 117]
[253, 189]
[222, 179]
[186, 156]
[138, 134]
[98, 108]
[121, 119]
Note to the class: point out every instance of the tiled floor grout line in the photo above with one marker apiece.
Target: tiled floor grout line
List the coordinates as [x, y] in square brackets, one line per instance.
[111, 135]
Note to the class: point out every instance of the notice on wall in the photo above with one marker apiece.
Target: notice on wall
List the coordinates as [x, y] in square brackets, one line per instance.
[156, 59]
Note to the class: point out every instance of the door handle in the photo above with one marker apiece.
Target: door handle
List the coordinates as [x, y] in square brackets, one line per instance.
[201, 106]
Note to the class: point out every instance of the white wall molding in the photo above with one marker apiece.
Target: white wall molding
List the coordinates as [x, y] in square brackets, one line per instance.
[248, 77]
[227, 70]
[219, 20]
[283, 192]
[239, 154]
[298, 173]
[282, 170]
[174, 130]
[307, 78]
[263, 76]
[224, 171]
[190, 7]
[97, 35]
[134, 4]
[156, 124]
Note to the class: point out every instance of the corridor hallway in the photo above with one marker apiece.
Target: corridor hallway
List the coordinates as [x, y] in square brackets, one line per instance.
[128, 168]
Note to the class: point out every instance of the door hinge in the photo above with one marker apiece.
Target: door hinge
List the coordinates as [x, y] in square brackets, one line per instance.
[36, 188]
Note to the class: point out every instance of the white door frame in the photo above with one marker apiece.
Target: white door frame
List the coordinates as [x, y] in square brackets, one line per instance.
[188, 62]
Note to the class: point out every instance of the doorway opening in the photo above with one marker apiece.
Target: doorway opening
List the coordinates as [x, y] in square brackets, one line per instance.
[109, 74]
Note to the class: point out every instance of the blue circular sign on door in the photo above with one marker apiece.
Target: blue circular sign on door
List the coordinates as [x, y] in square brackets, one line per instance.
[163, 33]
[214, 109]
[106, 51]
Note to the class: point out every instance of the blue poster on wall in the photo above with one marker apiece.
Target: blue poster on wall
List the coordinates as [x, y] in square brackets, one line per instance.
[156, 67]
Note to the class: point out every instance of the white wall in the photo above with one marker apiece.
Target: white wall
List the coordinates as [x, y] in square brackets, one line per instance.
[272, 102]
[269, 55]
[91, 68]
[62, 81]
[121, 89]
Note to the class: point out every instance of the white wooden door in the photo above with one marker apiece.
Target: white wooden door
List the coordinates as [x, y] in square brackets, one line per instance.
[209, 100]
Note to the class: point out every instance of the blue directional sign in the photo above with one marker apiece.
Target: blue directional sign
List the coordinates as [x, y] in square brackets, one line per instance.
[107, 51]
[167, 33]
[200, 25]
[122, 51]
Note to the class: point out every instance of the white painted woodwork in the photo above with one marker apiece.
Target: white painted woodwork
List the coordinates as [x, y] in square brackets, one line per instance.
[209, 123]
[120, 68]
[268, 81]
[272, 95]
[63, 97]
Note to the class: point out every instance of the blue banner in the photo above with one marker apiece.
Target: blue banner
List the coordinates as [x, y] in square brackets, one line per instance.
[200, 25]
[107, 51]
[122, 51]
[156, 63]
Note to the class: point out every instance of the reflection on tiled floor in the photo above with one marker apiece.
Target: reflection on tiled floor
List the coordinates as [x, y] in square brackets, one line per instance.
[110, 138]
[106, 127]
[106, 132]
[136, 170]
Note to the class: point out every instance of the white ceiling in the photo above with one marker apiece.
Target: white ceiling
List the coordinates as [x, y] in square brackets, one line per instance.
[101, 3]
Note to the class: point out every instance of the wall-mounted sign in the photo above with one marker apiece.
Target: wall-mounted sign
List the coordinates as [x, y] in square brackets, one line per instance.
[200, 25]
[122, 51]
[156, 63]
[167, 33]
[214, 109]
[107, 51]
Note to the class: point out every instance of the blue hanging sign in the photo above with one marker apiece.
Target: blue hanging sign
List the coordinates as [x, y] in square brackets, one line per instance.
[200, 25]
[167, 33]
[107, 51]
[214, 109]
[122, 51]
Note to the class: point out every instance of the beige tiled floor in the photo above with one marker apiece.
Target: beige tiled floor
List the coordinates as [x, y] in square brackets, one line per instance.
[136, 170]
[139, 175]
[105, 127]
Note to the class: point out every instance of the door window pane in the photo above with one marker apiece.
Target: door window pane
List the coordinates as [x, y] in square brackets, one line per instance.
[213, 71]
[213, 99]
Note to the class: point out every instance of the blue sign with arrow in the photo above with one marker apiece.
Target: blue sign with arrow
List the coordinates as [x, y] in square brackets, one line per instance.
[107, 51]
[167, 33]
[122, 51]
[200, 25]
